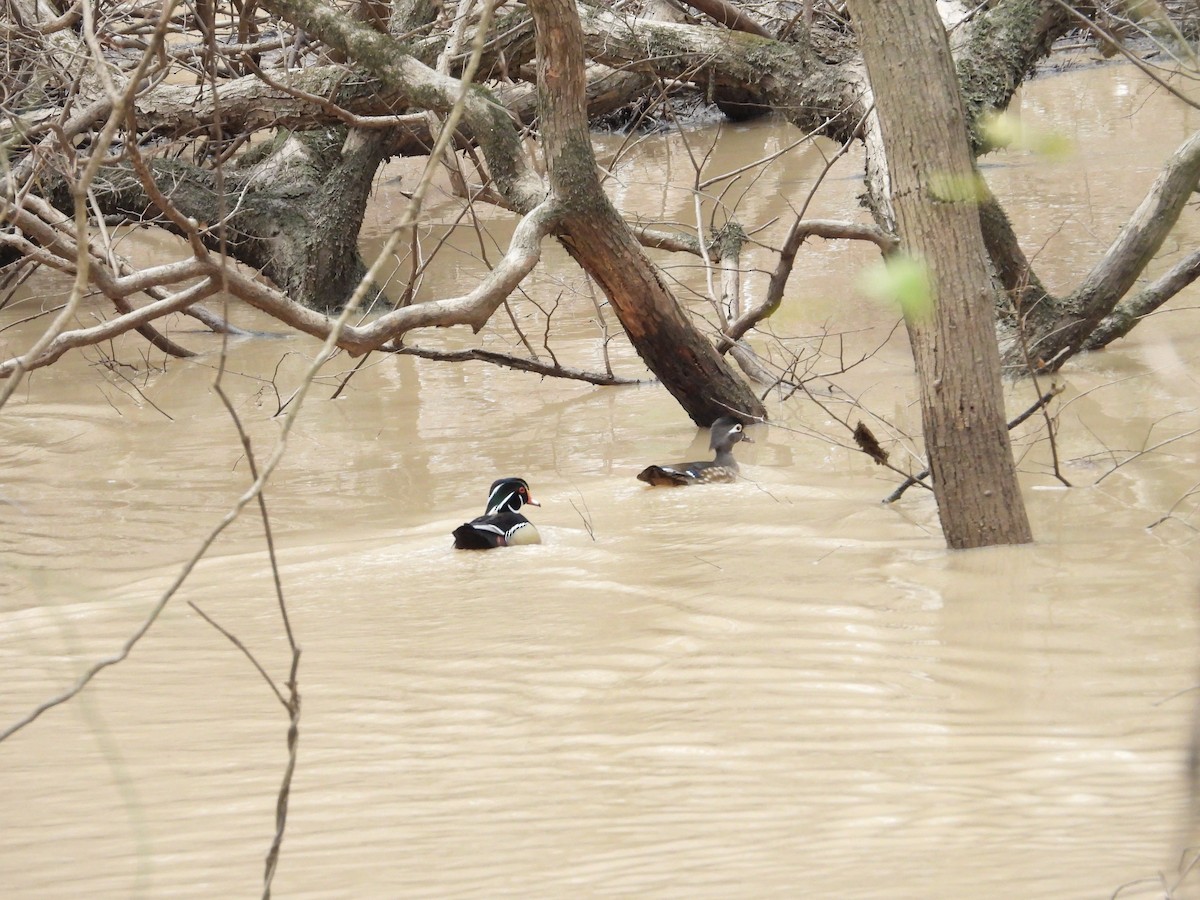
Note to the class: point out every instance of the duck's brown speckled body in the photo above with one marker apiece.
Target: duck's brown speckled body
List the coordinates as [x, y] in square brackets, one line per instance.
[726, 432]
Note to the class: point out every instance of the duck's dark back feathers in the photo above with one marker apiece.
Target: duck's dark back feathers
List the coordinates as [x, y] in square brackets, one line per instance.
[500, 525]
[467, 538]
[498, 530]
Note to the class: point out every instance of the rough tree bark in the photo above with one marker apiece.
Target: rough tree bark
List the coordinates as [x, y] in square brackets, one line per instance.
[598, 237]
[929, 161]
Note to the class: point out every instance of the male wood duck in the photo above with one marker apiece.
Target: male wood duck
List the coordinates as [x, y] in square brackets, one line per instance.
[501, 525]
[726, 432]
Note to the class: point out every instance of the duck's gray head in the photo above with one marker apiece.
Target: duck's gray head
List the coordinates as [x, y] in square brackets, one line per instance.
[726, 432]
[509, 495]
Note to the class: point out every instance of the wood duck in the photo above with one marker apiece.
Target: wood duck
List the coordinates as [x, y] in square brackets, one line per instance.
[726, 432]
[501, 525]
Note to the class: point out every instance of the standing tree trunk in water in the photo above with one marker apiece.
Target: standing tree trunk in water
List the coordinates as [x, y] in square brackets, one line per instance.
[930, 171]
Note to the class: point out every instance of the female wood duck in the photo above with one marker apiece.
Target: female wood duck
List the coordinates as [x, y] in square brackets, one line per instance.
[726, 432]
[501, 525]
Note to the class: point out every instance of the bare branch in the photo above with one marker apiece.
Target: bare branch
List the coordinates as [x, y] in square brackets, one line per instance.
[727, 14]
[1111, 40]
[472, 309]
[1145, 450]
[914, 479]
[1193, 491]
[1129, 312]
[233, 639]
[1060, 329]
[797, 234]
[524, 364]
[82, 337]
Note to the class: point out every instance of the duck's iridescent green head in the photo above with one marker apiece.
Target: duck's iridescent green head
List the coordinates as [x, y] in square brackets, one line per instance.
[508, 495]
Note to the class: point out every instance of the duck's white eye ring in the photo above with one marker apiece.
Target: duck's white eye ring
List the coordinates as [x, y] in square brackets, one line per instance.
[737, 427]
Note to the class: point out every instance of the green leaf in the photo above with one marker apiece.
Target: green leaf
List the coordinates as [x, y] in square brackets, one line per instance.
[902, 280]
[1005, 130]
[958, 188]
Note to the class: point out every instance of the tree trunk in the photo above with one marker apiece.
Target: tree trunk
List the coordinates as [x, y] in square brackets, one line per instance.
[293, 208]
[954, 346]
[595, 234]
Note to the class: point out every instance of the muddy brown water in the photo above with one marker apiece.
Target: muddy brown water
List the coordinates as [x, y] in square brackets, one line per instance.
[776, 688]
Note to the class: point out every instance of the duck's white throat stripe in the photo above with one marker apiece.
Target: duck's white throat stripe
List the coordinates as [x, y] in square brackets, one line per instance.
[495, 506]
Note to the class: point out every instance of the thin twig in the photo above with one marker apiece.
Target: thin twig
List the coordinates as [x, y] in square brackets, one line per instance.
[1146, 450]
[345, 381]
[1170, 513]
[233, 639]
[1041, 401]
[585, 515]
[1032, 369]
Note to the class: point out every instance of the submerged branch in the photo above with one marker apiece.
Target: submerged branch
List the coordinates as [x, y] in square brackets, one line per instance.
[1061, 328]
[523, 363]
[1122, 320]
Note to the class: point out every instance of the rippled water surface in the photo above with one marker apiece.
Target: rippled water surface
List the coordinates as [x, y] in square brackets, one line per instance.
[780, 687]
